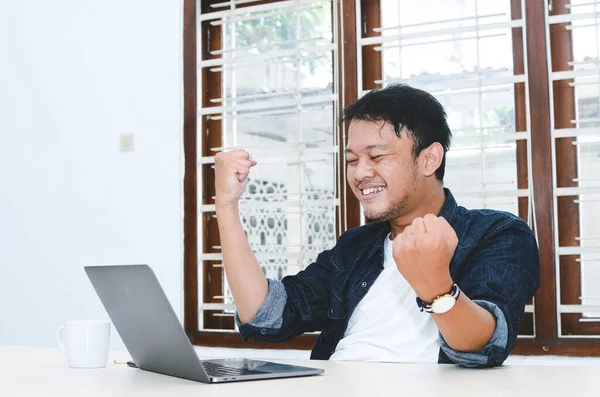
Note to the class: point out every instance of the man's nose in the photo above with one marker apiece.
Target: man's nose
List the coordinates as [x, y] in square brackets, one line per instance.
[363, 170]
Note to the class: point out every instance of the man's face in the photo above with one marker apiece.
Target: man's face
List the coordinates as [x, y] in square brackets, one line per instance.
[380, 169]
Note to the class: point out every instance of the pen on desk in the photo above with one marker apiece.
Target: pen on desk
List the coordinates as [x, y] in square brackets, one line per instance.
[127, 362]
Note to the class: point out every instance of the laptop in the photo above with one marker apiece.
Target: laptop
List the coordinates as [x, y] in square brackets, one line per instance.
[153, 335]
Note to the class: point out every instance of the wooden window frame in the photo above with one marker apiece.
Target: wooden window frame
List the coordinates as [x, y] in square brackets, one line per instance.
[349, 207]
[546, 340]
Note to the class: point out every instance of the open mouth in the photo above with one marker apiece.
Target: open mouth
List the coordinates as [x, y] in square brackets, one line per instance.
[372, 192]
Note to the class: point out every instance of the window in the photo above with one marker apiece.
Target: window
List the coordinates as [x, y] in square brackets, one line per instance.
[271, 86]
[273, 76]
[574, 92]
[469, 55]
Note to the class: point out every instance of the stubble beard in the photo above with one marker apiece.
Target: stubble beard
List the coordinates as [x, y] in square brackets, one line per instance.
[395, 208]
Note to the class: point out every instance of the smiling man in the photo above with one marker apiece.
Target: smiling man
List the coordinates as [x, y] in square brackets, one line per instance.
[425, 281]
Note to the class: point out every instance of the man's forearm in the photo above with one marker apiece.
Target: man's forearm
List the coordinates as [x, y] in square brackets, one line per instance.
[245, 277]
[467, 327]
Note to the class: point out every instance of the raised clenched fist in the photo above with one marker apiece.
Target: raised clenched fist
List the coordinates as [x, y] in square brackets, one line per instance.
[423, 252]
[231, 175]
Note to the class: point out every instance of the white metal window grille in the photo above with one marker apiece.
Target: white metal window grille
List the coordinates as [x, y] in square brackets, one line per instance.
[278, 64]
[584, 76]
[462, 52]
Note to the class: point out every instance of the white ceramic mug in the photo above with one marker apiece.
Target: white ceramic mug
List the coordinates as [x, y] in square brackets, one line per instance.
[85, 343]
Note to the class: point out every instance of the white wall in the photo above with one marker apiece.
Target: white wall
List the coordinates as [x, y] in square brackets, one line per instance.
[74, 74]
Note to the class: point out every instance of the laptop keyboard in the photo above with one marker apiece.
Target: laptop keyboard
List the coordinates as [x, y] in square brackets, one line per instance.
[219, 370]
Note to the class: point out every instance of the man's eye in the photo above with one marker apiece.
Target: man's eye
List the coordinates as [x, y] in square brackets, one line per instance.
[377, 158]
[351, 161]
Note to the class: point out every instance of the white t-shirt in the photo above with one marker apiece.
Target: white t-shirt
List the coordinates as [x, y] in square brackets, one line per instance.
[387, 325]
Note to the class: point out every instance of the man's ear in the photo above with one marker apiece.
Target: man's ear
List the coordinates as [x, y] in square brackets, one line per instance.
[432, 158]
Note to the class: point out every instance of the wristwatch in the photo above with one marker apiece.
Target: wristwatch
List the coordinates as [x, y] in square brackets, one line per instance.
[442, 303]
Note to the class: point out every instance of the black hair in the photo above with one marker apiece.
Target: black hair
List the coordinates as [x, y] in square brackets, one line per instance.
[419, 113]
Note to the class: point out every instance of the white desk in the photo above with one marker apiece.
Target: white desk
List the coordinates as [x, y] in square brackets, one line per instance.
[31, 371]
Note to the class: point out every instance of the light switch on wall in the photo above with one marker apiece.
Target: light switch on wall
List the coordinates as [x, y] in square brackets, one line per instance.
[126, 143]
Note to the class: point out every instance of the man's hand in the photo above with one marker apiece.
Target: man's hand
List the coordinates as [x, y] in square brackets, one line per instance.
[423, 252]
[231, 175]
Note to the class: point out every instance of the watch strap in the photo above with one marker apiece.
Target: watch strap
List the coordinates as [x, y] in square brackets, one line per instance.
[426, 306]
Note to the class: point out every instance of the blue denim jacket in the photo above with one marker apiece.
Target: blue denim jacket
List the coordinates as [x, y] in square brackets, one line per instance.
[496, 264]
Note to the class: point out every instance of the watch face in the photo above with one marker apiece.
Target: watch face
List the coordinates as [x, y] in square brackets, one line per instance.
[443, 304]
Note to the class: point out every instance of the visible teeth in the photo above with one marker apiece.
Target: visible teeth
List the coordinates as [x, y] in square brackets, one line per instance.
[373, 190]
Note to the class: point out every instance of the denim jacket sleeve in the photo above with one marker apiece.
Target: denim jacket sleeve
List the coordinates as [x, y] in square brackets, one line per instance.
[498, 342]
[502, 276]
[270, 313]
[296, 305]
